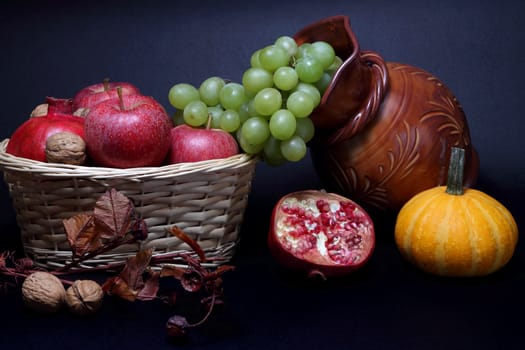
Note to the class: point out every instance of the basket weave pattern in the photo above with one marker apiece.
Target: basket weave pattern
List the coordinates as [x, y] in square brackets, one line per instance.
[205, 199]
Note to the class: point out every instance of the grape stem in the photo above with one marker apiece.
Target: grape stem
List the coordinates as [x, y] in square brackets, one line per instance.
[208, 122]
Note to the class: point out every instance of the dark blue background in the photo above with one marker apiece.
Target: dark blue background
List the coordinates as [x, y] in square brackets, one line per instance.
[475, 47]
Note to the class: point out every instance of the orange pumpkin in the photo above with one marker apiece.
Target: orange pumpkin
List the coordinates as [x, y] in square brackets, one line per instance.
[455, 231]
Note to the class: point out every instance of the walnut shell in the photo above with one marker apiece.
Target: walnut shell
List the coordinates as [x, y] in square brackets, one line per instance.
[43, 292]
[84, 297]
[39, 110]
[66, 148]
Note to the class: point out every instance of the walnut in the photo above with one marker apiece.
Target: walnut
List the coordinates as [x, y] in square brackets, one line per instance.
[81, 112]
[40, 110]
[43, 292]
[84, 297]
[66, 148]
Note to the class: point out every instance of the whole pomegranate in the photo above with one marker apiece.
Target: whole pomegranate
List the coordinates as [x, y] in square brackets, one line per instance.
[322, 233]
[29, 139]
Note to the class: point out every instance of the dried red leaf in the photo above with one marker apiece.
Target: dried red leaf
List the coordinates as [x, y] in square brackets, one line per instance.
[113, 218]
[82, 234]
[134, 269]
[136, 281]
[220, 270]
[138, 228]
[151, 286]
[113, 212]
[177, 232]
[172, 271]
[116, 286]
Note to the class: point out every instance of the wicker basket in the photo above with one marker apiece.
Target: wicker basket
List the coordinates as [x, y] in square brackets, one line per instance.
[205, 199]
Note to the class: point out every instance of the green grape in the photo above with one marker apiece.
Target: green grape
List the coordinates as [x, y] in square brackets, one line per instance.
[282, 124]
[272, 152]
[293, 149]
[178, 117]
[254, 59]
[255, 79]
[285, 78]
[338, 62]
[196, 113]
[252, 112]
[322, 52]
[273, 57]
[311, 90]
[255, 131]
[229, 120]
[288, 44]
[267, 101]
[305, 129]
[209, 90]
[300, 104]
[244, 111]
[246, 146]
[302, 50]
[215, 113]
[232, 96]
[181, 94]
[309, 69]
[323, 83]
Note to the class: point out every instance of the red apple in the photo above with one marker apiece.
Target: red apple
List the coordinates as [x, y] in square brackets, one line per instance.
[190, 144]
[91, 95]
[127, 132]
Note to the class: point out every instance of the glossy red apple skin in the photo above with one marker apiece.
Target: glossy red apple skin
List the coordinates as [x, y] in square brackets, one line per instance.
[92, 95]
[189, 144]
[137, 135]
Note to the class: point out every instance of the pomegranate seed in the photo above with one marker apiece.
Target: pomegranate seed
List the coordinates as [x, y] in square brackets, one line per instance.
[356, 239]
[323, 206]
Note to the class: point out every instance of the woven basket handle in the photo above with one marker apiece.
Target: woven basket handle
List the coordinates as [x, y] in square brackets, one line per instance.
[378, 88]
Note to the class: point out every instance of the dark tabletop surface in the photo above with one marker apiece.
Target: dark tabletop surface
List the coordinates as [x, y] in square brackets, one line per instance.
[475, 47]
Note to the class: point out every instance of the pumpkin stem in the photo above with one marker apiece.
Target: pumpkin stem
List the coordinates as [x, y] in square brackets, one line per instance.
[455, 171]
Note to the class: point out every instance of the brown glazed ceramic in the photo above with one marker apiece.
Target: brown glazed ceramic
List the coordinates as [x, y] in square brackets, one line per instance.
[384, 130]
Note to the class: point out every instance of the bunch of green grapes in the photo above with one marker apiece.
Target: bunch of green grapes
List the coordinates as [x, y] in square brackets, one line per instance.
[269, 111]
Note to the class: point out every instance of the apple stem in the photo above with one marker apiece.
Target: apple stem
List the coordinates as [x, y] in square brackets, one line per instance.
[106, 84]
[121, 100]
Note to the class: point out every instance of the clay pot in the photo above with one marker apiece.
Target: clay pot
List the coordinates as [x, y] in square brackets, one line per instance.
[384, 130]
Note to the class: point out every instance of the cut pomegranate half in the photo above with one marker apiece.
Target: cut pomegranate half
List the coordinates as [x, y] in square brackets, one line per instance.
[320, 233]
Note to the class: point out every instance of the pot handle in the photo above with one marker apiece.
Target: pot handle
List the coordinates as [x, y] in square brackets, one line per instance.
[378, 88]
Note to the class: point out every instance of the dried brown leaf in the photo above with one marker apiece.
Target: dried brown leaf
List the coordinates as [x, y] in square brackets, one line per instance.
[116, 286]
[172, 271]
[135, 267]
[136, 281]
[113, 212]
[151, 286]
[138, 228]
[82, 234]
